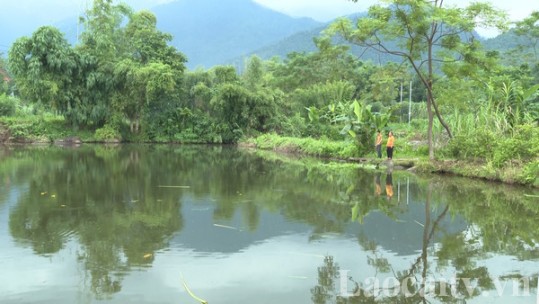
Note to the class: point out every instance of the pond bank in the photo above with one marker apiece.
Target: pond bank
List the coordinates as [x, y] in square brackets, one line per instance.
[514, 173]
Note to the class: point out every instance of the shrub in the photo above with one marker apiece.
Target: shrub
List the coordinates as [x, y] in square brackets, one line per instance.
[523, 145]
[107, 134]
[8, 105]
[480, 144]
[530, 173]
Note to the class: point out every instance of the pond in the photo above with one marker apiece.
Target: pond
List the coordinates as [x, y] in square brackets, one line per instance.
[173, 224]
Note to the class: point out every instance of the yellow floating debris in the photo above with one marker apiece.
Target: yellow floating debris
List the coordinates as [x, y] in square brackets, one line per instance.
[43, 193]
[53, 195]
[148, 255]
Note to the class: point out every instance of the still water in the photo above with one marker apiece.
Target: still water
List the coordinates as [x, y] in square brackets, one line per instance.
[170, 224]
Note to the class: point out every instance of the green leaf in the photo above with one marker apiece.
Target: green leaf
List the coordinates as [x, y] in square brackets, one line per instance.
[357, 110]
[530, 92]
[346, 129]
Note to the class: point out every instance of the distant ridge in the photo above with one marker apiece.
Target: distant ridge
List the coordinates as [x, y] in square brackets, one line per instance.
[209, 32]
[212, 32]
[304, 42]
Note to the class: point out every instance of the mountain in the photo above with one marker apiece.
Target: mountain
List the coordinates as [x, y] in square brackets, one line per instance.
[304, 42]
[208, 32]
[513, 49]
[212, 32]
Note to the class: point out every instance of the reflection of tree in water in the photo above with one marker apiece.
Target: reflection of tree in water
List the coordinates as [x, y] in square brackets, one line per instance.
[114, 206]
[327, 276]
[418, 283]
[106, 199]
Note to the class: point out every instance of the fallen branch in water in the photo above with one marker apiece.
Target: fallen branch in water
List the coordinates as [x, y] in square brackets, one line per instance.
[183, 187]
[192, 294]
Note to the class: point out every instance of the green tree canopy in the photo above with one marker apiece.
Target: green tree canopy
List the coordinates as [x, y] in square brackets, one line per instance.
[427, 34]
[46, 69]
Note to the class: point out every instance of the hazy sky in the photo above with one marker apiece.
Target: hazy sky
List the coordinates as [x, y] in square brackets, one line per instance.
[322, 10]
[51, 11]
[325, 10]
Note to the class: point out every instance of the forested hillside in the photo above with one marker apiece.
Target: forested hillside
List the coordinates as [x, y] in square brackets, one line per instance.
[511, 47]
[212, 32]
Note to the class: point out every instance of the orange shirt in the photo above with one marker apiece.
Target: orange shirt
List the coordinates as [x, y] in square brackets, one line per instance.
[390, 141]
[378, 139]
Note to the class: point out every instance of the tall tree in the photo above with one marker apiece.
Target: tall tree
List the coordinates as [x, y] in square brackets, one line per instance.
[142, 86]
[330, 63]
[254, 73]
[149, 71]
[102, 45]
[145, 43]
[427, 35]
[529, 28]
[45, 68]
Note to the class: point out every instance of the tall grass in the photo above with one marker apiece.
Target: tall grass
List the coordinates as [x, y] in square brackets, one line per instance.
[481, 120]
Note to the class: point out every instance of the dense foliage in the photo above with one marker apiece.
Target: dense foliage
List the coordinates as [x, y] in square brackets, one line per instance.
[123, 81]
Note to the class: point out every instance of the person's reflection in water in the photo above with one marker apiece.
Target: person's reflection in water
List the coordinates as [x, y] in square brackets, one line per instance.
[377, 184]
[389, 185]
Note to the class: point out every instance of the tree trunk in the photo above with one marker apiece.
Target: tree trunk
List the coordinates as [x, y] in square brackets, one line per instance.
[429, 128]
[440, 119]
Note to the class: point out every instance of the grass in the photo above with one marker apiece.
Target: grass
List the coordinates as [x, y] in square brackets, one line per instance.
[307, 146]
[410, 148]
[44, 128]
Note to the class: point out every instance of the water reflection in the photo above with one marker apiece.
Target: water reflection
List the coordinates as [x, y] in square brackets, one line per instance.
[108, 199]
[389, 184]
[450, 266]
[120, 209]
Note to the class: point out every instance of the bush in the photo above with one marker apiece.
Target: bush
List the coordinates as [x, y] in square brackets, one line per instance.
[524, 145]
[294, 126]
[42, 128]
[107, 134]
[530, 173]
[8, 105]
[480, 144]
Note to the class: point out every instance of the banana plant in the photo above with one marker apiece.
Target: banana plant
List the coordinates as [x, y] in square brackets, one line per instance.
[360, 123]
[517, 101]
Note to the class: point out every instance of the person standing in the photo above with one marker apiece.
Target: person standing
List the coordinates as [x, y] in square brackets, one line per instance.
[390, 145]
[378, 144]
